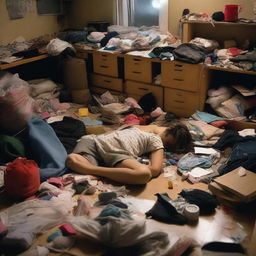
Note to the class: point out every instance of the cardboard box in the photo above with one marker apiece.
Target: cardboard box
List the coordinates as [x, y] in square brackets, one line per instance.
[75, 74]
[80, 96]
[218, 191]
[242, 187]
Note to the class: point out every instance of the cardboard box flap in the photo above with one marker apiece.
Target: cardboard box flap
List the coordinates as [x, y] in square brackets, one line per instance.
[242, 186]
[220, 192]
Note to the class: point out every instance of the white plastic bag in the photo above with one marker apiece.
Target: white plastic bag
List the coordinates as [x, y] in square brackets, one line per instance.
[57, 46]
[16, 105]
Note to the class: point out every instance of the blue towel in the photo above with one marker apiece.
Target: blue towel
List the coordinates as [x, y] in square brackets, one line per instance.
[208, 118]
[47, 149]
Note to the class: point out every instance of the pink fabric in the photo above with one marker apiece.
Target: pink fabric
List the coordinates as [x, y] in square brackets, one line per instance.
[56, 105]
[157, 112]
[131, 119]
[56, 182]
[67, 229]
[132, 102]
[44, 115]
[16, 108]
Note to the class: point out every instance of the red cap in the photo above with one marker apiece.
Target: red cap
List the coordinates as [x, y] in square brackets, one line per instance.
[22, 178]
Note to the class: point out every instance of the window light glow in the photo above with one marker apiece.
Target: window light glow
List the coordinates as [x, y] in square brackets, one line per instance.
[156, 3]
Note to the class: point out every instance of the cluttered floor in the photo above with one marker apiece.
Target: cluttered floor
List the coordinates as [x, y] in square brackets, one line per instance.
[226, 224]
[71, 214]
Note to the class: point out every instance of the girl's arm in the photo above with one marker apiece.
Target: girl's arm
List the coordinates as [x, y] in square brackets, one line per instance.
[156, 162]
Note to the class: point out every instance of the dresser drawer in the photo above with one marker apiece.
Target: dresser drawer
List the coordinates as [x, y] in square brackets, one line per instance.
[138, 69]
[82, 54]
[180, 75]
[107, 82]
[105, 63]
[181, 103]
[137, 90]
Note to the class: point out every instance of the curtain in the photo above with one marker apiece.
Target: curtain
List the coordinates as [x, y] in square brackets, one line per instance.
[163, 15]
[124, 12]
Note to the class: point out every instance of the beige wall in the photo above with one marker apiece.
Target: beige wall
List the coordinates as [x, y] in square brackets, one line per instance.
[32, 25]
[82, 11]
[208, 6]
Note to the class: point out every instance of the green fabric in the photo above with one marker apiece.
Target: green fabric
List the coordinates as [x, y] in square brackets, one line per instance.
[11, 148]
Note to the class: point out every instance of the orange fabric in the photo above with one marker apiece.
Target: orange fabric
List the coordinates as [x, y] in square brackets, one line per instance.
[22, 178]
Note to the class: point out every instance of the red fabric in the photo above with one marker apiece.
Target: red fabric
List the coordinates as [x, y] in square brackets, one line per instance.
[3, 229]
[219, 123]
[144, 120]
[233, 51]
[22, 178]
[131, 119]
[67, 229]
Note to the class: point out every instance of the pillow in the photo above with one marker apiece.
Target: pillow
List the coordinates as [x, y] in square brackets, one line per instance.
[42, 87]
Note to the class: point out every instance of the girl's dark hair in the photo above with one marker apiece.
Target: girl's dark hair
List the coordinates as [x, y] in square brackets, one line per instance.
[183, 141]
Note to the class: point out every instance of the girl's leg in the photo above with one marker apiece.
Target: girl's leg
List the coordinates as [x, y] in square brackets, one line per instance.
[128, 171]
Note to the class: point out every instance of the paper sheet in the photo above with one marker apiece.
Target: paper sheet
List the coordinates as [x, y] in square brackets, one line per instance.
[205, 151]
[15, 9]
[199, 172]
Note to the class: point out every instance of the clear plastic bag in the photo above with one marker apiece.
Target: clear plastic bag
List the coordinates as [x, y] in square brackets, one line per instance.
[16, 105]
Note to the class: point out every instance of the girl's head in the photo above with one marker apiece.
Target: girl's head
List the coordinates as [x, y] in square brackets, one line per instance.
[177, 138]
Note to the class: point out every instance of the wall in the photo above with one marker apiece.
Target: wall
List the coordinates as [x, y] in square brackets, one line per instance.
[82, 11]
[31, 26]
[177, 6]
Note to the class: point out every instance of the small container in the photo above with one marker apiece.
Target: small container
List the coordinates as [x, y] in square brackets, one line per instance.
[231, 12]
[170, 184]
[83, 111]
[191, 211]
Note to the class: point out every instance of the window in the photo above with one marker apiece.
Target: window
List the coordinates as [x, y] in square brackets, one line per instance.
[49, 7]
[141, 12]
[145, 14]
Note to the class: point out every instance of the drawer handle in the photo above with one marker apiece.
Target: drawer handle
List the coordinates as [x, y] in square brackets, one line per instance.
[178, 65]
[136, 59]
[178, 79]
[136, 72]
[179, 101]
[144, 89]
[104, 55]
[107, 81]
[102, 66]
[180, 70]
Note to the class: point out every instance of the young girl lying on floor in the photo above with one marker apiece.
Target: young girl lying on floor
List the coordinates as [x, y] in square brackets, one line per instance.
[114, 155]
